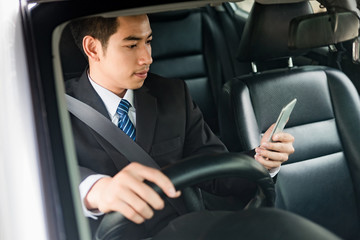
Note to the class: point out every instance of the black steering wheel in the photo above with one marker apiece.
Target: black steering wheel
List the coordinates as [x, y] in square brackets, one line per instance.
[197, 169]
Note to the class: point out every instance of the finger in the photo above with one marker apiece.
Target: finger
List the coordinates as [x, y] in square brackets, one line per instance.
[266, 135]
[160, 179]
[115, 202]
[118, 193]
[283, 137]
[139, 205]
[282, 147]
[269, 164]
[146, 193]
[272, 155]
[128, 212]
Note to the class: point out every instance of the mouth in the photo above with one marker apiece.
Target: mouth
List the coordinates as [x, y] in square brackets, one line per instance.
[142, 74]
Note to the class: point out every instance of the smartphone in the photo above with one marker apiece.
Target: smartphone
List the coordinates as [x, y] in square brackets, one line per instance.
[283, 118]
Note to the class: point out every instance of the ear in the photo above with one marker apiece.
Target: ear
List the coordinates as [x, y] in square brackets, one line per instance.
[92, 48]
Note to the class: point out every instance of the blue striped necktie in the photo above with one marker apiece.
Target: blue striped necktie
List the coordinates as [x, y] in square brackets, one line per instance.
[124, 121]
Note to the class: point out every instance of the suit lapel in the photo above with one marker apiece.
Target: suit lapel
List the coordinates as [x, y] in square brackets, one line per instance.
[87, 94]
[146, 116]
[146, 113]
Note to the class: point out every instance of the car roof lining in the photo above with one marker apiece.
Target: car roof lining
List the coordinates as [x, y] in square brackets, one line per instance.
[161, 8]
[278, 1]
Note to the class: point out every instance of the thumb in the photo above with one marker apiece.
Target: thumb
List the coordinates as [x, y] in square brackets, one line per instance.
[267, 134]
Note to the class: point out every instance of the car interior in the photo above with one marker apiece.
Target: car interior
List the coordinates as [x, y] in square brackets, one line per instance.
[240, 71]
[321, 124]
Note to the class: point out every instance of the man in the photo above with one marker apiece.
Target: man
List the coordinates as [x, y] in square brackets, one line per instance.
[167, 124]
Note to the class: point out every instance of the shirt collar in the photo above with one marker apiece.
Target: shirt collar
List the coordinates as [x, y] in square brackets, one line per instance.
[110, 99]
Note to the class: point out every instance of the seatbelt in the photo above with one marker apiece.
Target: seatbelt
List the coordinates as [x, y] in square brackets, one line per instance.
[100, 124]
[115, 136]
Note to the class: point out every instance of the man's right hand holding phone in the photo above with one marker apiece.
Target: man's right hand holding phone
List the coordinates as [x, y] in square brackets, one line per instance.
[272, 154]
[276, 146]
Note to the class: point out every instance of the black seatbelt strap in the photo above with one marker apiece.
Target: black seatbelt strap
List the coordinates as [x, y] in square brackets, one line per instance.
[115, 136]
[100, 124]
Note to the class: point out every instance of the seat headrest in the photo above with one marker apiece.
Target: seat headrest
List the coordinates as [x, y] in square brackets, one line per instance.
[265, 35]
[73, 61]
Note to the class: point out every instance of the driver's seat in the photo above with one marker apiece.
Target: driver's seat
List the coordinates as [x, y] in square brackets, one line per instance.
[321, 180]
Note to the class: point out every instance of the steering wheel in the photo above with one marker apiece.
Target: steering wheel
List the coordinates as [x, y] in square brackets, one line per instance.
[197, 169]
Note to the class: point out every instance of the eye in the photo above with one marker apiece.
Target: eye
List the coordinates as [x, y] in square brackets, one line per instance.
[149, 41]
[132, 46]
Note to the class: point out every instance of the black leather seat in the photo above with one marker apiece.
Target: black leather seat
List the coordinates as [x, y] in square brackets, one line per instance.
[190, 45]
[321, 180]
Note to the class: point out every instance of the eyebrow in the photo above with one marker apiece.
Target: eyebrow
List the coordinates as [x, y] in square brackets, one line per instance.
[135, 38]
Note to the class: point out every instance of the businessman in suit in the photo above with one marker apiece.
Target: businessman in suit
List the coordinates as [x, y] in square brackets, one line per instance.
[169, 126]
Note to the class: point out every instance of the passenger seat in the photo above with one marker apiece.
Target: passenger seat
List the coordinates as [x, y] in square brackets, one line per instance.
[320, 181]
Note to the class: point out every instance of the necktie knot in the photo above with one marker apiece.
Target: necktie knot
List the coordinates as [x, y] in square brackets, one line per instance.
[124, 121]
[123, 107]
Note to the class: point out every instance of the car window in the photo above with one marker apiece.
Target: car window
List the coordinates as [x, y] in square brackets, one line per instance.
[317, 7]
[58, 158]
[245, 5]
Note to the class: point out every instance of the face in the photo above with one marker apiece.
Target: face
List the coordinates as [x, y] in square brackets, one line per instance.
[125, 62]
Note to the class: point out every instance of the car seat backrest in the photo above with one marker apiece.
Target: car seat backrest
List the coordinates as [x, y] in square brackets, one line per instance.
[262, 44]
[320, 180]
[189, 45]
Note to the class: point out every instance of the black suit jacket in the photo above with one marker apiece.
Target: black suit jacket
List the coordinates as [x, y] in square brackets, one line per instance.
[169, 126]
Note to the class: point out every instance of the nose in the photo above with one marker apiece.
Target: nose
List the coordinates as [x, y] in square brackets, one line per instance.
[145, 55]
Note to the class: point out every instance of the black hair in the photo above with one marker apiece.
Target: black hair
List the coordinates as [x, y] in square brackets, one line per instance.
[98, 27]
